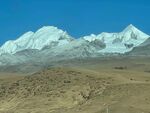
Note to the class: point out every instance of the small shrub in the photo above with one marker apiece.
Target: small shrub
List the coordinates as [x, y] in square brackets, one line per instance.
[67, 81]
[121, 68]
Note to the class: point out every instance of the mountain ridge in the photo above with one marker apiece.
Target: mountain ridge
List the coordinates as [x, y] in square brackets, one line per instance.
[53, 44]
[49, 35]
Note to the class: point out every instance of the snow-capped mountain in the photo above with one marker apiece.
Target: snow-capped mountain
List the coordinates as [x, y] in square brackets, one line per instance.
[79, 48]
[52, 44]
[121, 42]
[45, 36]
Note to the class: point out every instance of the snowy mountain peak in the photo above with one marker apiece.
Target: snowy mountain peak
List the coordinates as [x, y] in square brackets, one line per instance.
[131, 32]
[45, 36]
[49, 29]
[120, 42]
[52, 33]
[131, 28]
[26, 35]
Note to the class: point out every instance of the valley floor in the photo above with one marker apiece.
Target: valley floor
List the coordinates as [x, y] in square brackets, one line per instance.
[100, 85]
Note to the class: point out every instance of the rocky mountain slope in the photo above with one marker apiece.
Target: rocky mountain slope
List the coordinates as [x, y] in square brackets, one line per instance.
[141, 50]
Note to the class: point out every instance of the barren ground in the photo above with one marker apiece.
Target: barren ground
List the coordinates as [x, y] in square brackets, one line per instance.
[106, 85]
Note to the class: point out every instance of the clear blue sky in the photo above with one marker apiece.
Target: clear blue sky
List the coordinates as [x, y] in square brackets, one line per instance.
[77, 17]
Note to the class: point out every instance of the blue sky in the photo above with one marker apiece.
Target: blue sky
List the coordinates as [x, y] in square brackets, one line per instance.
[77, 17]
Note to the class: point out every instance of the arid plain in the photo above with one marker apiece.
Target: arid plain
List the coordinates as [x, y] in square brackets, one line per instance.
[98, 85]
